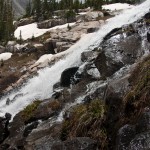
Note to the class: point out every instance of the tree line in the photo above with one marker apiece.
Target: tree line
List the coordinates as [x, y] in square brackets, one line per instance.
[45, 8]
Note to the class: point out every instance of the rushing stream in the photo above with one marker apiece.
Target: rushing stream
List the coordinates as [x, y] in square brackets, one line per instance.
[41, 86]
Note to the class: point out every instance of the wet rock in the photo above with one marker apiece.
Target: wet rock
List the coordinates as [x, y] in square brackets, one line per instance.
[91, 30]
[148, 37]
[89, 56]
[131, 48]
[66, 76]
[147, 16]
[29, 128]
[106, 65]
[4, 131]
[56, 86]
[112, 33]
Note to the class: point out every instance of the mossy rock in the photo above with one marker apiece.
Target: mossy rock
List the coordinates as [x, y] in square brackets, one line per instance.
[27, 113]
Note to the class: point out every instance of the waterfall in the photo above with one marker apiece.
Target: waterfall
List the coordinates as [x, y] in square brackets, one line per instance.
[41, 86]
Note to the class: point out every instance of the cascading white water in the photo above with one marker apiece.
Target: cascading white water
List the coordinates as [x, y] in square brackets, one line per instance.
[41, 86]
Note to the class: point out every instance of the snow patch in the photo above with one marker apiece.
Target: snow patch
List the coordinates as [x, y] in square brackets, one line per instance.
[117, 6]
[5, 56]
[30, 30]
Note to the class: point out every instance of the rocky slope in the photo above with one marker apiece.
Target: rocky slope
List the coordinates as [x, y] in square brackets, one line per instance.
[111, 89]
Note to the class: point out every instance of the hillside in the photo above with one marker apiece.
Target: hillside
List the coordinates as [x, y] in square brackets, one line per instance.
[19, 7]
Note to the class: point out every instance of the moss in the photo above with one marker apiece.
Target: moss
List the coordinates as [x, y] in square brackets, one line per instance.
[86, 121]
[29, 110]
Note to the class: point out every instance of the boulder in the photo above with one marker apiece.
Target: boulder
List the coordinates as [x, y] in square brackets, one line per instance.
[4, 131]
[89, 56]
[106, 65]
[24, 21]
[62, 46]
[24, 48]
[140, 142]
[46, 110]
[69, 36]
[51, 23]
[131, 48]
[125, 135]
[10, 47]
[50, 45]
[66, 76]
[147, 16]
[49, 143]
[143, 123]
[78, 143]
[43, 137]
[90, 16]
[137, 136]
[28, 129]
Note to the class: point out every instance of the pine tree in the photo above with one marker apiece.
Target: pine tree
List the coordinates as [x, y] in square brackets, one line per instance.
[37, 9]
[28, 9]
[6, 20]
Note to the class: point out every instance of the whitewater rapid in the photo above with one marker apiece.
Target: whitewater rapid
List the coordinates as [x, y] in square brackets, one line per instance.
[41, 86]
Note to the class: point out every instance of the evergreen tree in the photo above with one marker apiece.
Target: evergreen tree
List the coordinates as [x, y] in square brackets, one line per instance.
[6, 20]
[28, 9]
[37, 9]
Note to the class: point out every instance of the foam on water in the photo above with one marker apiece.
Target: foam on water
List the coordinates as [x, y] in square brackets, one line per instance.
[41, 86]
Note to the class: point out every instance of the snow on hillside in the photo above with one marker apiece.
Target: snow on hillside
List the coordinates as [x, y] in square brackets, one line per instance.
[30, 30]
[5, 56]
[117, 6]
